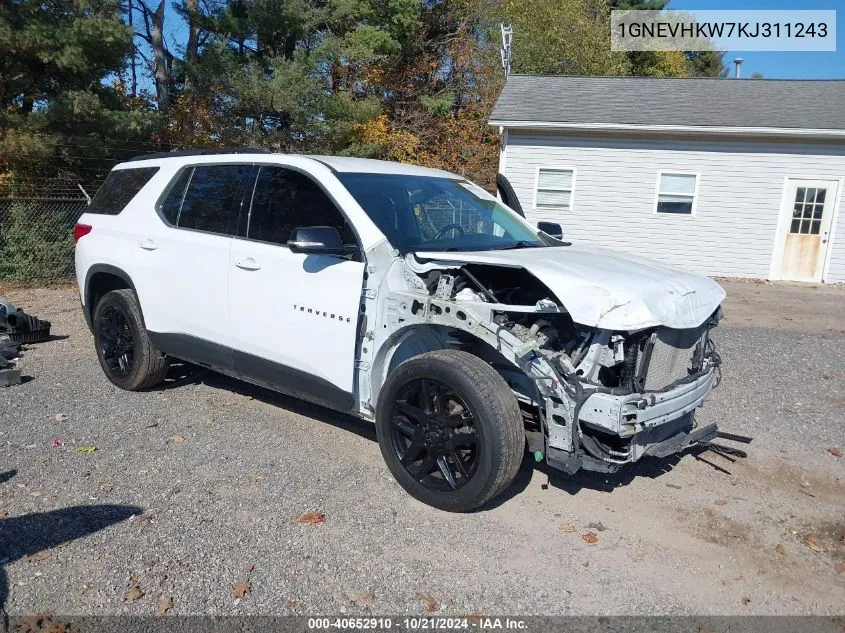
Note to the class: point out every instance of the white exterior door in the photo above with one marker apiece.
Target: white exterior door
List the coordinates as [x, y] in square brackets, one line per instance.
[806, 228]
[294, 316]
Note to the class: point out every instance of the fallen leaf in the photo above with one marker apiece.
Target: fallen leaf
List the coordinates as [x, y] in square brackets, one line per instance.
[176, 439]
[746, 600]
[473, 618]
[85, 449]
[813, 544]
[835, 452]
[311, 518]
[720, 502]
[840, 567]
[568, 528]
[780, 549]
[106, 487]
[248, 569]
[164, 605]
[293, 606]
[3, 514]
[590, 537]
[369, 597]
[37, 558]
[429, 602]
[56, 442]
[255, 478]
[241, 589]
[134, 594]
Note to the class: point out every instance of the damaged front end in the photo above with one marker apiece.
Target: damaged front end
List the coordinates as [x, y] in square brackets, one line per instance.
[591, 397]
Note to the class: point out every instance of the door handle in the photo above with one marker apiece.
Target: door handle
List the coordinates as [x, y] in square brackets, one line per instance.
[148, 245]
[248, 263]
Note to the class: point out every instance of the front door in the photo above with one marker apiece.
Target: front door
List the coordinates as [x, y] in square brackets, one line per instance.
[807, 228]
[294, 316]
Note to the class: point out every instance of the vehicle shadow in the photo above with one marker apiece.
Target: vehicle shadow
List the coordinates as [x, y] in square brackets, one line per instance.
[650, 467]
[181, 374]
[30, 534]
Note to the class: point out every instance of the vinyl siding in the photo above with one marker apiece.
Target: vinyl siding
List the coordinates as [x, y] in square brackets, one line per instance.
[740, 188]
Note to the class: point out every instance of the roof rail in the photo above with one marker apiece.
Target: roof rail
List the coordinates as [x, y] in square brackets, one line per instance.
[201, 152]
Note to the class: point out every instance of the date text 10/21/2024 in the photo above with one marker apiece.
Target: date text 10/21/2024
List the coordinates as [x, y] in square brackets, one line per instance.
[419, 623]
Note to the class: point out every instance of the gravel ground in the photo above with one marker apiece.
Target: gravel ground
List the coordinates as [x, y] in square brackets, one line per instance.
[194, 490]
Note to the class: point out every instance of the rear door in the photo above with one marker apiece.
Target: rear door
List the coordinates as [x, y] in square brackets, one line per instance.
[294, 316]
[186, 262]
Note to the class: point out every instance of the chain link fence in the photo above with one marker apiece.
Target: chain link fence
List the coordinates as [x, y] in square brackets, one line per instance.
[36, 238]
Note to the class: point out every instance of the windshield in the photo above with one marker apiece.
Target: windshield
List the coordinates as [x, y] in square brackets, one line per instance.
[438, 214]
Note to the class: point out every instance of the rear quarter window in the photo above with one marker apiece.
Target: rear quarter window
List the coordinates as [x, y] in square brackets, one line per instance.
[120, 187]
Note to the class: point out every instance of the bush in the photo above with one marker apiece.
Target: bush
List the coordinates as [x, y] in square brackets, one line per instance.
[36, 240]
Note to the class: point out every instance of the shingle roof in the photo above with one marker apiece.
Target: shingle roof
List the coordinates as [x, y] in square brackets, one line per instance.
[699, 101]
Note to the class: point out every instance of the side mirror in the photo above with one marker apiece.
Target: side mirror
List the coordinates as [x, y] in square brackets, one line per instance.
[551, 228]
[313, 240]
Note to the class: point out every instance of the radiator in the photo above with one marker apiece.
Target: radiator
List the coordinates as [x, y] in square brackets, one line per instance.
[671, 355]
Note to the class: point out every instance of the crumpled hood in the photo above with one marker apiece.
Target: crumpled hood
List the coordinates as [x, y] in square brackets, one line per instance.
[606, 289]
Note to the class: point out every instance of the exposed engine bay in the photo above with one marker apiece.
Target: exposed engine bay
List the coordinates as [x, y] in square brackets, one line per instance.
[591, 397]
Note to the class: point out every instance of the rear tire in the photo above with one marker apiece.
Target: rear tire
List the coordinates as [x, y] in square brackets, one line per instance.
[124, 350]
[450, 430]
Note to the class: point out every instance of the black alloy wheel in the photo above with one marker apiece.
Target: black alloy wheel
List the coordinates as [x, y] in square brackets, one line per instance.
[449, 429]
[126, 354]
[434, 436]
[116, 343]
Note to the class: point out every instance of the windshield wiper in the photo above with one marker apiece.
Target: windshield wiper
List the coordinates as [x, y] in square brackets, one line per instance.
[519, 244]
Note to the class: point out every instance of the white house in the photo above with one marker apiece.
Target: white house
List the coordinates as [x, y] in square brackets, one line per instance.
[727, 177]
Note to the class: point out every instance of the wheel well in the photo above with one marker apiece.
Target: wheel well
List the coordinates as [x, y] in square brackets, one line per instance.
[418, 339]
[99, 285]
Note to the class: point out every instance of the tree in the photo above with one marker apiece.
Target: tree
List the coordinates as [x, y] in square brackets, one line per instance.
[706, 63]
[59, 66]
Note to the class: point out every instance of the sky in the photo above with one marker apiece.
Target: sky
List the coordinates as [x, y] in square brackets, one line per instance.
[783, 65]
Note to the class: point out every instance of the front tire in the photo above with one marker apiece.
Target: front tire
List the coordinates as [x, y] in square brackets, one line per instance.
[124, 350]
[450, 430]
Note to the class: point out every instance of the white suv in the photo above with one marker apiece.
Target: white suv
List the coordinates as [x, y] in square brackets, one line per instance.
[403, 295]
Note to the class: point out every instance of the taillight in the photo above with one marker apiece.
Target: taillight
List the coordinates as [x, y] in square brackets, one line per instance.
[81, 230]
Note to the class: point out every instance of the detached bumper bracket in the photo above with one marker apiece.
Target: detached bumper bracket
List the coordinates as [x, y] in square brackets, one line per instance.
[679, 442]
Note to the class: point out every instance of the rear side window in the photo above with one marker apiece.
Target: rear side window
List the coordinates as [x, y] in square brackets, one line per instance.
[213, 199]
[172, 202]
[120, 187]
[284, 200]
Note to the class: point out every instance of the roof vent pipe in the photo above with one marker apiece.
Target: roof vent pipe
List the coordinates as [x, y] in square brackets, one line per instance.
[738, 64]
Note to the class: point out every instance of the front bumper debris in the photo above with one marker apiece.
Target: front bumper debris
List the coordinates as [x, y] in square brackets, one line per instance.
[627, 415]
[617, 429]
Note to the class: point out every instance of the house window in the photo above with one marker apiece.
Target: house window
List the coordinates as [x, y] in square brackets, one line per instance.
[676, 193]
[554, 188]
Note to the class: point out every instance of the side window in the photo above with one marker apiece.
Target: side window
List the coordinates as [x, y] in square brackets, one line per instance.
[172, 202]
[676, 193]
[213, 199]
[120, 187]
[284, 200]
[555, 188]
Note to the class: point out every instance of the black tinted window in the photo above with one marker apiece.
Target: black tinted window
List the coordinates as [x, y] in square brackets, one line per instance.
[172, 202]
[285, 199]
[213, 198]
[119, 188]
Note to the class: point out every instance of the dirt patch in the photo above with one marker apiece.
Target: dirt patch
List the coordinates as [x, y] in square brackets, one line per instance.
[713, 527]
[784, 305]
